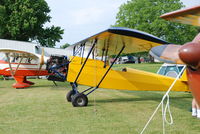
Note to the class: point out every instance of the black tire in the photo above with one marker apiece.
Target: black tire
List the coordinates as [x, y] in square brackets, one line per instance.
[79, 100]
[69, 95]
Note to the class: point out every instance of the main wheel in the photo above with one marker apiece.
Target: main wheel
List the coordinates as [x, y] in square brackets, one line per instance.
[69, 95]
[79, 100]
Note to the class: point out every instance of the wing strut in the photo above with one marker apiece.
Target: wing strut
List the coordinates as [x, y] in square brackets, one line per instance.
[80, 99]
[18, 65]
[11, 70]
[83, 50]
[95, 42]
[106, 55]
[104, 49]
[74, 85]
[106, 71]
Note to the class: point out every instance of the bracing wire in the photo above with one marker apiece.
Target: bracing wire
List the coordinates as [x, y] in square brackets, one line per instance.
[165, 107]
[95, 77]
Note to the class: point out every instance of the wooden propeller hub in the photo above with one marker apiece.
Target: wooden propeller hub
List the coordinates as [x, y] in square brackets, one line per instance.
[189, 54]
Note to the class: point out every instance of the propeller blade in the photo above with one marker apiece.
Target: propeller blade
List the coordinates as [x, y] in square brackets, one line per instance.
[41, 61]
[197, 38]
[42, 57]
[166, 53]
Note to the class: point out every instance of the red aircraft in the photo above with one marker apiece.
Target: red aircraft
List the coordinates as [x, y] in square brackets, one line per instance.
[188, 53]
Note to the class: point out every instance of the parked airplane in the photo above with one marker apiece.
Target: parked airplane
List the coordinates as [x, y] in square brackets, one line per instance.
[87, 70]
[21, 59]
[184, 54]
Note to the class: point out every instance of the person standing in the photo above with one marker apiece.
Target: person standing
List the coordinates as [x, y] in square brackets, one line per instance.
[195, 109]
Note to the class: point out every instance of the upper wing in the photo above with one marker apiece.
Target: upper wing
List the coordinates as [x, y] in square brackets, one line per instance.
[186, 16]
[113, 39]
[18, 53]
[28, 49]
[18, 48]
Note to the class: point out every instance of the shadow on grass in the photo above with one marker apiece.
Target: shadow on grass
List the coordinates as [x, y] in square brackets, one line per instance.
[180, 102]
[52, 86]
[137, 99]
[40, 86]
[177, 99]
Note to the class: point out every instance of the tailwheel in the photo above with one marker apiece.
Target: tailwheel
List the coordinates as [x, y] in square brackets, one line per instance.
[79, 100]
[69, 95]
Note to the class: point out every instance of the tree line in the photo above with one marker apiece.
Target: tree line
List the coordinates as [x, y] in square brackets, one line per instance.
[25, 20]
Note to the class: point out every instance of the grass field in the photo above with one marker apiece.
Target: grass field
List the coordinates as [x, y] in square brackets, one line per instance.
[42, 109]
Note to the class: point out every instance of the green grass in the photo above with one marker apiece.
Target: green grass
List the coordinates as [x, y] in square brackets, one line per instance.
[144, 66]
[42, 109]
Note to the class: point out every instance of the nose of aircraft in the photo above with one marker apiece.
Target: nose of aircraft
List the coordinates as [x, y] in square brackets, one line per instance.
[189, 53]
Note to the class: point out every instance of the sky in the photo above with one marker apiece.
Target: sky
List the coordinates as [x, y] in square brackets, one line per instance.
[83, 18]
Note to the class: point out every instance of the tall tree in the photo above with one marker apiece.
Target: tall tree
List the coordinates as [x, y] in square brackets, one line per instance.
[24, 20]
[145, 15]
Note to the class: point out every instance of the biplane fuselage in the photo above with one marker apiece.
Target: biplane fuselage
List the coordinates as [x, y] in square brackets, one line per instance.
[127, 79]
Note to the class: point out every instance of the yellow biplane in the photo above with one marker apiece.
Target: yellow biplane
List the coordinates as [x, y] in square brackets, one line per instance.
[89, 65]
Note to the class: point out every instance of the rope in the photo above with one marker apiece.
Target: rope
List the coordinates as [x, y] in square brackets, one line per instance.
[164, 108]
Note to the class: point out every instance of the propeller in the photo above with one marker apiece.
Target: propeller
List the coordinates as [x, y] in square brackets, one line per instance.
[166, 53]
[41, 61]
[188, 54]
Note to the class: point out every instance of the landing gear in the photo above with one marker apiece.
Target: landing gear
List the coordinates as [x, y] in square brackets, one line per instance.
[79, 100]
[21, 82]
[69, 95]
